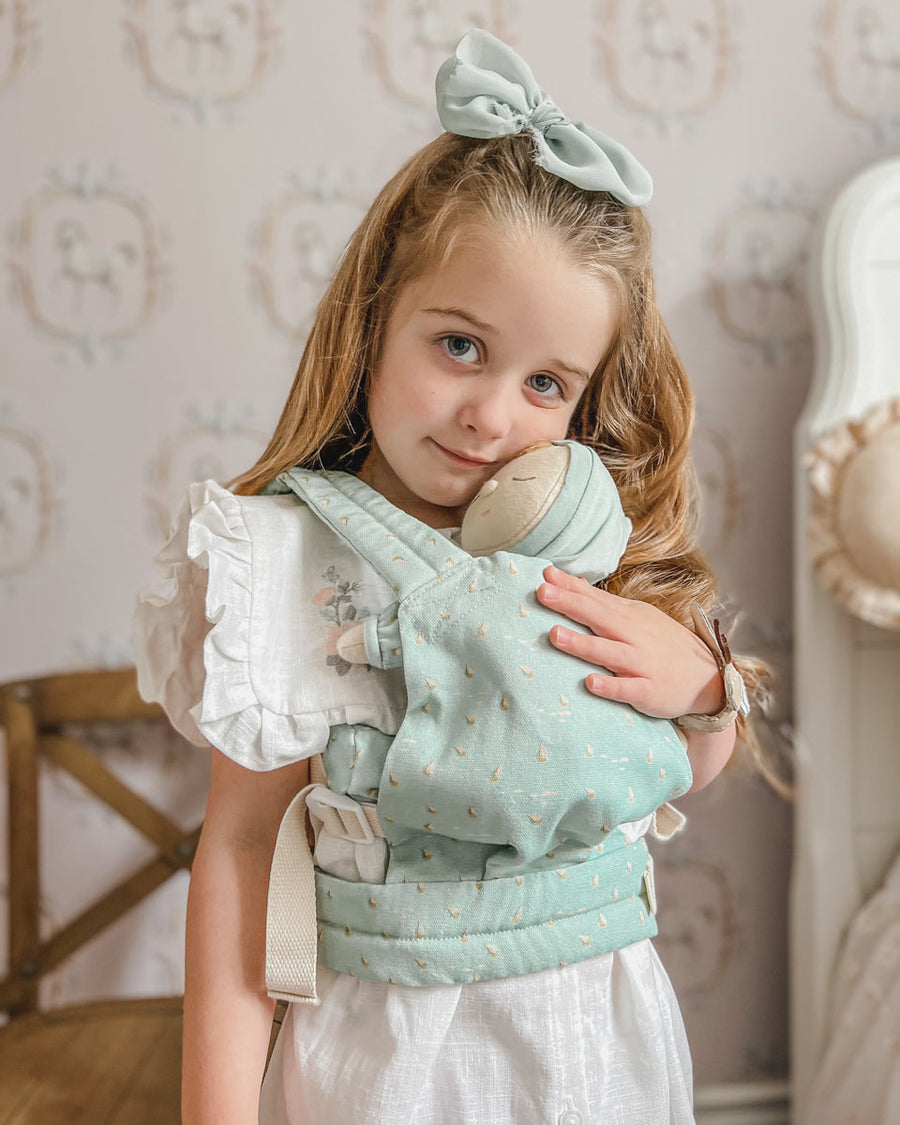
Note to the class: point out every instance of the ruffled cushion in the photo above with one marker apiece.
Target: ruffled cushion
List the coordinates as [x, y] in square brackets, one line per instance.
[854, 474]
[236, 648]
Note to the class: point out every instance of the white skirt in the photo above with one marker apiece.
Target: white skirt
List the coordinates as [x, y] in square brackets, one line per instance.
[599, 1041]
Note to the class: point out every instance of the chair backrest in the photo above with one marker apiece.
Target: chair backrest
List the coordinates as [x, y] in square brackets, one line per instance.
[34, 715]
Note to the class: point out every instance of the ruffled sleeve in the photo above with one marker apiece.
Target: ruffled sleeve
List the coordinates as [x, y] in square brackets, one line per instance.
[168, 633]
[193, 643]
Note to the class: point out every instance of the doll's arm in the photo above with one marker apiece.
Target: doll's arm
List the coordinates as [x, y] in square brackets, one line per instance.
[374, 640]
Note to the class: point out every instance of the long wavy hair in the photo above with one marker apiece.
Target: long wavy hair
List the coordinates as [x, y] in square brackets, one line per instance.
[637, 411]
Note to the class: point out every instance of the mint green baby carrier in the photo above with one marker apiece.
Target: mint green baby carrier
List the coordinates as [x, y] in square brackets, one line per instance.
[501, 794]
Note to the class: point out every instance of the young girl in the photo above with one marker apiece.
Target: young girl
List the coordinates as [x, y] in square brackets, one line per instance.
[498, 293]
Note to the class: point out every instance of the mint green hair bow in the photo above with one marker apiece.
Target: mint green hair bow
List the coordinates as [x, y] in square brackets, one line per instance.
[487, 90]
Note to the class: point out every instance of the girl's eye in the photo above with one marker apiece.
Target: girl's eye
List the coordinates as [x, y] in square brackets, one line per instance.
[544, 384]
[457, 347]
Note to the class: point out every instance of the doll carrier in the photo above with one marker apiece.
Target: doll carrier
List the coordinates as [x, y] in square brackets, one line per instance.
[498, 803]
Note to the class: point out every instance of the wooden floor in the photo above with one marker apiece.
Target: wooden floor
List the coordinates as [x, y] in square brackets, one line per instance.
[114, 1063]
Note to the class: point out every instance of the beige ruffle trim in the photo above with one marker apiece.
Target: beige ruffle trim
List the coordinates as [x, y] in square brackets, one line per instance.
[854, 526]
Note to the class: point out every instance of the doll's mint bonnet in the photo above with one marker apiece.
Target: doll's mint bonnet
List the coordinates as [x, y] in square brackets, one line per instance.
[568, 511]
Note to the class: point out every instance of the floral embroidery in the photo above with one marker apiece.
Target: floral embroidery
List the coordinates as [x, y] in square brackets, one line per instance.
[335, 604]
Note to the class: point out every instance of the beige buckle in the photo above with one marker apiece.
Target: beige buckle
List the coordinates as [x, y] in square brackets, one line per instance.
[341, 816]
[650, 885]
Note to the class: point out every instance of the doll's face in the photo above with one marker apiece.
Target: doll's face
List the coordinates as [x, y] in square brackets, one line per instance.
[514, 501]
[480, 359]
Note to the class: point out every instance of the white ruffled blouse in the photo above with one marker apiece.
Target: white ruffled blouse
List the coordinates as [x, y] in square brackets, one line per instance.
[241, 650]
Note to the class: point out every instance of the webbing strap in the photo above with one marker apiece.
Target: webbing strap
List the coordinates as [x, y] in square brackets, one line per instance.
[317, 773]
[291, 933]
[291, 945]
[405, 552]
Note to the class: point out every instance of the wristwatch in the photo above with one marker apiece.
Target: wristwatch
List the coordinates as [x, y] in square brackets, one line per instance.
[736, 700]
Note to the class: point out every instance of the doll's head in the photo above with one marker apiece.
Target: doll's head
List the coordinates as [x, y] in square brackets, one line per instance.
[515, 500]
[555, 500]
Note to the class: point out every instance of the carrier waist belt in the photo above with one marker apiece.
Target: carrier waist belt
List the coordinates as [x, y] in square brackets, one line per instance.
[452, 931]
[430, 933]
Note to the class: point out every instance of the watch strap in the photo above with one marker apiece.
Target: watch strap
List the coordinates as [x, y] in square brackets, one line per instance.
[736, 700]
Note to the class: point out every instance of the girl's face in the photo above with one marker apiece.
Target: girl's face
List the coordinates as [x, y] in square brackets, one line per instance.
[480, 359]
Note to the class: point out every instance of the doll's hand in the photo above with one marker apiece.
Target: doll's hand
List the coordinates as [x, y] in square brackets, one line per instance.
[660, 668]
[351, 645]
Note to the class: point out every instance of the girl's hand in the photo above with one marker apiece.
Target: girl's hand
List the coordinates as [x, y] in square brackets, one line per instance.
[661, 668]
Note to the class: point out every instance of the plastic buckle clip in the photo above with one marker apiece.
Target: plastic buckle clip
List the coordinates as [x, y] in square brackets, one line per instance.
[342, 817]
[650, 885]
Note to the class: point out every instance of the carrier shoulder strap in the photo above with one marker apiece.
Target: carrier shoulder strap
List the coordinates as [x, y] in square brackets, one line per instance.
[404, 551]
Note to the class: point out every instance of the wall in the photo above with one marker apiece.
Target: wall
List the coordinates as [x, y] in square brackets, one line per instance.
[178, 179]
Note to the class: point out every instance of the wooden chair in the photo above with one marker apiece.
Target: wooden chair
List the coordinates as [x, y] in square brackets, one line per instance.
[114, 1061]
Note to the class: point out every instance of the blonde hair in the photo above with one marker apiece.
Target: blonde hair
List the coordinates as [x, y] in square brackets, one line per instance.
[637, 411]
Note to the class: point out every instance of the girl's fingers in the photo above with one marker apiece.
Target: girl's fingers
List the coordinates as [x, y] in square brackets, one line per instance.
[560, 580]
[563, 580]
[586, 605]
[610, 687]
[660, 667]
[614, 655]
[623, 689]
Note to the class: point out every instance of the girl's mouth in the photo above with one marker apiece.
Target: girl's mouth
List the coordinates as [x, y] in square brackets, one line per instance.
[460, 458]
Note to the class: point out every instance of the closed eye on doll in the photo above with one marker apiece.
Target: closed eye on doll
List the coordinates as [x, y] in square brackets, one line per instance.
[524, 478]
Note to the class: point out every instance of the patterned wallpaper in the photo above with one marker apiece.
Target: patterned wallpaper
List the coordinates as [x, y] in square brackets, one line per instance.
[178, 179]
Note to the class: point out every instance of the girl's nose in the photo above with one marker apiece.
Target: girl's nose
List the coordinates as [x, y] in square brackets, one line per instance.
[487, 412]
